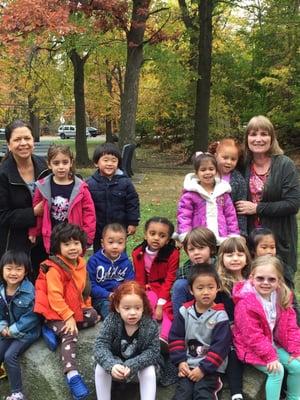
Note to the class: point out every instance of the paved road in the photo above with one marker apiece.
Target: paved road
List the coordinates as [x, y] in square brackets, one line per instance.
[99, 138]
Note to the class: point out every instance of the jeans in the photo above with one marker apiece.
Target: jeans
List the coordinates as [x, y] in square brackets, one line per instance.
[102, 307]
[10, 351]
[180, 294]
[274, 380]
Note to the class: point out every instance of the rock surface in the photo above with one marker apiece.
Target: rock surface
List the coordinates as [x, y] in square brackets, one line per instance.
[43, 378]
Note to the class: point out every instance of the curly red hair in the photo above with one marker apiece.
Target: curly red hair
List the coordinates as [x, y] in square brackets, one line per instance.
[130, 287]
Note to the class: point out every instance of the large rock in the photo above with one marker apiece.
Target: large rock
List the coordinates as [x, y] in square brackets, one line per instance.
[43, 378]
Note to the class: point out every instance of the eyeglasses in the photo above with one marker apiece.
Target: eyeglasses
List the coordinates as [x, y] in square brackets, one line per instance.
[268, 279]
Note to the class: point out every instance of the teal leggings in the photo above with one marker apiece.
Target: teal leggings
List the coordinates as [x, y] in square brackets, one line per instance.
[274, 380]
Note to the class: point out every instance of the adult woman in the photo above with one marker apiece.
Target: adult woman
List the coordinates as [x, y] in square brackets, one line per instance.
[273, 188]
[18, 172]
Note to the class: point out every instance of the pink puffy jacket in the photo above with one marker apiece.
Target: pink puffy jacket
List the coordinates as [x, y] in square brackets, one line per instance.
[81, 210]
[251, 332]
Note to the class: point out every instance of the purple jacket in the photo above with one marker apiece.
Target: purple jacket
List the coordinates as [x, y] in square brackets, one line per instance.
[251, 332]
[215, 211]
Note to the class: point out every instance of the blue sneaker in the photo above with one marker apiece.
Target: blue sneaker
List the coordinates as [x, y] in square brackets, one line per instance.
[50, 338]
[77, 387]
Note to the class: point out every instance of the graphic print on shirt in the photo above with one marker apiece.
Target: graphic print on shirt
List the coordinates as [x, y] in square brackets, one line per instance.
[59, 208]
[114, 272]
[196, 348]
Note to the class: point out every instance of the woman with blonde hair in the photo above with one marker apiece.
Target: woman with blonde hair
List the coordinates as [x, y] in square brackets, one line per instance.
[273, 188]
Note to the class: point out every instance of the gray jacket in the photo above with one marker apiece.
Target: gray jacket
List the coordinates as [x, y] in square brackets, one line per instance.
[108, 344]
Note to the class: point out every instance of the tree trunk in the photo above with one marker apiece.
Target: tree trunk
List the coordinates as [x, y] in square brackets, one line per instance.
[33, 117]
[108, 120]
[82, 157]
[129, 98]
[201, 127]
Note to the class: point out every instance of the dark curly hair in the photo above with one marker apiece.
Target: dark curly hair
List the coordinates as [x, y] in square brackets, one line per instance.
[64, 232]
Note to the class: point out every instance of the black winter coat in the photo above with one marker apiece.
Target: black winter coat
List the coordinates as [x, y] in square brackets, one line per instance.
[16, 212]
[279, 205]
[115, 199]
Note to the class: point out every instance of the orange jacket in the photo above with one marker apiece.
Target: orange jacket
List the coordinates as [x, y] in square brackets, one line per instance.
[62, 289]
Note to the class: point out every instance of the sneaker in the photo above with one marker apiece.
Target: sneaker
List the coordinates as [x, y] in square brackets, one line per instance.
[50, 338]
[77, 387]
[2, 372]
[16, 396]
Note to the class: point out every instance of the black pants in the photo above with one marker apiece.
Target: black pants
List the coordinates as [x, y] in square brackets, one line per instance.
[234, 373]
[205, 389]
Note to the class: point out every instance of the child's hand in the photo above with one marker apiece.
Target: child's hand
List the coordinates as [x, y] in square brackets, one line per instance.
[291, 358]
[273, 366]
[118, 371]
[32, 239]
[38, 210]
[159, 312]
[131, 230]
[183, 369]
[195, 374]
[70, 326]
[126, 371]
[5, 332]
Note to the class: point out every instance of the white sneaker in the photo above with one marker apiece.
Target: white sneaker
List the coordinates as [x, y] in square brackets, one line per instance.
[16, 396]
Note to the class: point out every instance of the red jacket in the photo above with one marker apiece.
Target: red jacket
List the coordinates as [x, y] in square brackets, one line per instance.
[162, 273]
[71, 295]
[81, 210]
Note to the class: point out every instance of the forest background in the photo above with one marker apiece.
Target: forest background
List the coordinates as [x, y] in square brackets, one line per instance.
[187, 71]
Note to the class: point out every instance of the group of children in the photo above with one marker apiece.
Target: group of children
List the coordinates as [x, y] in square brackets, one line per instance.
[229, 304]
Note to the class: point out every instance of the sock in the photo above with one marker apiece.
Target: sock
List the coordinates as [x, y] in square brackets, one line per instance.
[237, 396]
[70, 374]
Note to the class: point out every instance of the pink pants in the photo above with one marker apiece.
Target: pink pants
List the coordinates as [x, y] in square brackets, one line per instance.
[166, 322]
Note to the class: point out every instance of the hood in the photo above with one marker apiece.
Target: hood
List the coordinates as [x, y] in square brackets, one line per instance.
[191, 184]
[98, 177]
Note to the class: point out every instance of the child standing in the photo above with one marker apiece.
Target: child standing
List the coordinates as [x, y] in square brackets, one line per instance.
[155, 262]
[65, 197]
[19, 325]
[113, 193]
[206, 201]
[109, 267]
[265, 331]
[200, 338]
[233, 266]
[62, 297]
[127, 343]
[201, 246]
[227, 153]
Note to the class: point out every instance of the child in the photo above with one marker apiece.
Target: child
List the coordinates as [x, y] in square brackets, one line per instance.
[155, 262]
[265, 329]
[201, 246]
[200, 338]
[233, 266]
[127, 343]
[227, 153]
[206, 201]
[65, 197]
[113, 193]
[19, 325]
[109, 267]
[62, 297]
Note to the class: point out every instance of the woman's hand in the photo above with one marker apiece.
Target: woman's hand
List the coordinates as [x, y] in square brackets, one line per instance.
[38, 210]
[245, 207]
[131, 230]
[70, 326]
[119, 371]
[273, 366]
[32, 239]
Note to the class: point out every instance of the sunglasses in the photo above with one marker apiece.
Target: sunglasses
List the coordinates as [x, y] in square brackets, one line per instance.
[268, 279]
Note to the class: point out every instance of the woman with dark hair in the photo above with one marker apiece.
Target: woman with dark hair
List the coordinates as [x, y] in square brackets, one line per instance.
[18, 173]
[273, 188]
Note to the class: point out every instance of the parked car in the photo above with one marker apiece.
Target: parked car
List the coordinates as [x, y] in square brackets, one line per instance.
[2, 133]
[91, 131]
[68, 131]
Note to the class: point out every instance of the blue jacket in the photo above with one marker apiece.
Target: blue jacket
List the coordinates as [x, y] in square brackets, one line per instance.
[18, 316]
[105, 274]
[115, 199]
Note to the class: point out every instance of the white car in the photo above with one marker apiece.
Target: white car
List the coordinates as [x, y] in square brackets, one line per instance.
[69, 131]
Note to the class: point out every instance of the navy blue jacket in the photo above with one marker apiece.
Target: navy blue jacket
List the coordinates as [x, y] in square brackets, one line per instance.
[105, 274]
[18, 316]
[115, 199]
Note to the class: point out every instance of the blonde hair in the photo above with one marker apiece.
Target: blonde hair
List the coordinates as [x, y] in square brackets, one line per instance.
[284, 293]
[262, 122]
[231, 245]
